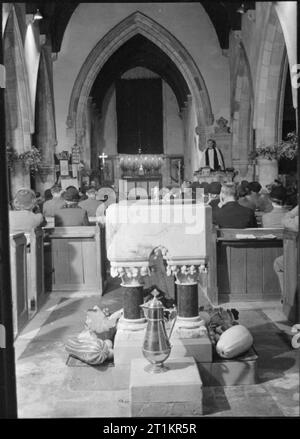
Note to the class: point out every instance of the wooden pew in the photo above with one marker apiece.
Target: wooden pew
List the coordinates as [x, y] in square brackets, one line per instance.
[35, 269]
[18, 268]
[245, 260]
[290, 261]
[76, 260]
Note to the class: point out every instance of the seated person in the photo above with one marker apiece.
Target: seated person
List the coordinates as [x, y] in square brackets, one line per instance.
[212, 157]
[100, 213]
[90, 204]
[243, 191]
[290, 221]
[47, 195]
[107, 194]
[214, 190]
[205, 186]
[274, 218]
[39, 203]
[55, 203]
[71, 214]
[261, 201]
[231, 214]
[22, 218]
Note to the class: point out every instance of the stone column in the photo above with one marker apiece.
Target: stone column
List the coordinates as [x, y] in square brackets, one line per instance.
[188, 324]
[132, 282]
[45, 136]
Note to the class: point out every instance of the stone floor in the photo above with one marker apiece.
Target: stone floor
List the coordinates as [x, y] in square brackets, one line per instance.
[48, 388]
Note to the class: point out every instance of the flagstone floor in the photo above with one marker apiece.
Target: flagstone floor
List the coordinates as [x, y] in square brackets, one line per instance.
[48, 388]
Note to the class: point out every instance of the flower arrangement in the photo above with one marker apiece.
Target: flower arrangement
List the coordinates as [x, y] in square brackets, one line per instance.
[11, 156]
[32, 159]
[286, 149]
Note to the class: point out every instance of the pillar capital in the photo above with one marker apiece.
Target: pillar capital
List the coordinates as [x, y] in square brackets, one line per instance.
[186, 273]
[131, 275]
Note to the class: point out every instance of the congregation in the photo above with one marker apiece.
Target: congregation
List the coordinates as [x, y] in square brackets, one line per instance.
[234, 205]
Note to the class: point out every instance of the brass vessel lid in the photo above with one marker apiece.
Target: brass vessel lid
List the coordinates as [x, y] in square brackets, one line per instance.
[155, 302]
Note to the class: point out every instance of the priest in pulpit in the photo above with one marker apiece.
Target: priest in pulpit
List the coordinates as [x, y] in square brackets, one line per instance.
[212, 157]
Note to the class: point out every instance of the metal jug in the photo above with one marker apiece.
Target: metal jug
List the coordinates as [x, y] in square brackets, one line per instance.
[156, 346]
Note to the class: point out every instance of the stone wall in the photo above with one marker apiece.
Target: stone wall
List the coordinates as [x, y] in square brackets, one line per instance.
[83, 33]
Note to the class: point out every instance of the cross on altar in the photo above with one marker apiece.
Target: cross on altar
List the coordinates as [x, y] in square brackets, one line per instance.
[102, 157]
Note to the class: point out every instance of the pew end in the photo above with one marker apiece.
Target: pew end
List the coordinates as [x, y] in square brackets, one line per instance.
[77, 262]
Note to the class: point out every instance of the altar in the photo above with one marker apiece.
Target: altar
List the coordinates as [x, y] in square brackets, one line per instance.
[142, 187]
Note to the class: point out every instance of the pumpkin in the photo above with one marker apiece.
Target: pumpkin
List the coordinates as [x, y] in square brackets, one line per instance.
[234, 341]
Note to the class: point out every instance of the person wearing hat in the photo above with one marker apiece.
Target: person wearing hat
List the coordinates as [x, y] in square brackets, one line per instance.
[71, 214]
[214, 190]
[90, 204]
[274, 218]
[22, 218]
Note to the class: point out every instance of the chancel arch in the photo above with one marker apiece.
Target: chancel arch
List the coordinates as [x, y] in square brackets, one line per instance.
[134, 25]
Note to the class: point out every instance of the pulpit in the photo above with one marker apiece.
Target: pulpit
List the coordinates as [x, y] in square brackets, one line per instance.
[182, 232]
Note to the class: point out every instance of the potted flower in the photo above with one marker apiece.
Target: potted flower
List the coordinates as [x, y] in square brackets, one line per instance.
[288, 149]
[31, 159]
[267, 157]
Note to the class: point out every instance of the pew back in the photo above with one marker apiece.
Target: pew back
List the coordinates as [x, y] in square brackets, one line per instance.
[76, 258]
[245, 260]
[35, 269]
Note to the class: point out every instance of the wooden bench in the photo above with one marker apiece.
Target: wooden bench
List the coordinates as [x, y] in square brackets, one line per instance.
[76, 260]
[290, 261]
[35, 269]
[245, 260]
[18, 269]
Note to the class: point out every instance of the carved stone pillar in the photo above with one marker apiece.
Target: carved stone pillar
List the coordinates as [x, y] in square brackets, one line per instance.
[45, 121]
[132, 282]
[188, 324]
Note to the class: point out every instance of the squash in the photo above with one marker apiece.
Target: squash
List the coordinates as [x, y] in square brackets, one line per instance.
[234, 341]
[205, 316]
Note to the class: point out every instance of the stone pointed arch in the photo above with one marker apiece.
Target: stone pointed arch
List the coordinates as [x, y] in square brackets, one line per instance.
[269, 79]
[137, 23]
[17, 87]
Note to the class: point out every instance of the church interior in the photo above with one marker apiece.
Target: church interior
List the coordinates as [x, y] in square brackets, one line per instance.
[149, 210]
